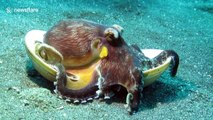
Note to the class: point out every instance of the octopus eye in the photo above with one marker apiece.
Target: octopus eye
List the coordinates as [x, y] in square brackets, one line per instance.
[111, 34]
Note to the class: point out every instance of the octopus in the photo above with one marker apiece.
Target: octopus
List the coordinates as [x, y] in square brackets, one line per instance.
[93, 60]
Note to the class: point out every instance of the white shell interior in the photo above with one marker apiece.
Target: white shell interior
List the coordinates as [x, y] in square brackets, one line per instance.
[33, 36]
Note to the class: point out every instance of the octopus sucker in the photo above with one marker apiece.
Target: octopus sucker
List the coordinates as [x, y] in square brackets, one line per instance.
[92, 60]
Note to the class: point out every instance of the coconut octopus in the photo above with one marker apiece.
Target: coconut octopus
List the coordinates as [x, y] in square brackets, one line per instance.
[93, 60]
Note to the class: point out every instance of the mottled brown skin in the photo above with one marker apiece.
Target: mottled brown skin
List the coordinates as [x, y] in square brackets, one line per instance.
[74, 38]
[77, 34]
[122, 66]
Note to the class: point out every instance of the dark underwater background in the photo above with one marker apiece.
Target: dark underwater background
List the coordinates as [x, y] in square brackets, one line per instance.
[185, 26]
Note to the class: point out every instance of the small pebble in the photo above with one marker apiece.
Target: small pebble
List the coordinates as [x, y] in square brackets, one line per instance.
[60, 108]
[16, 89]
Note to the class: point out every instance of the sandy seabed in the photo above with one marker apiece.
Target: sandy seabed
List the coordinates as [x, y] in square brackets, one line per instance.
[185, 26]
